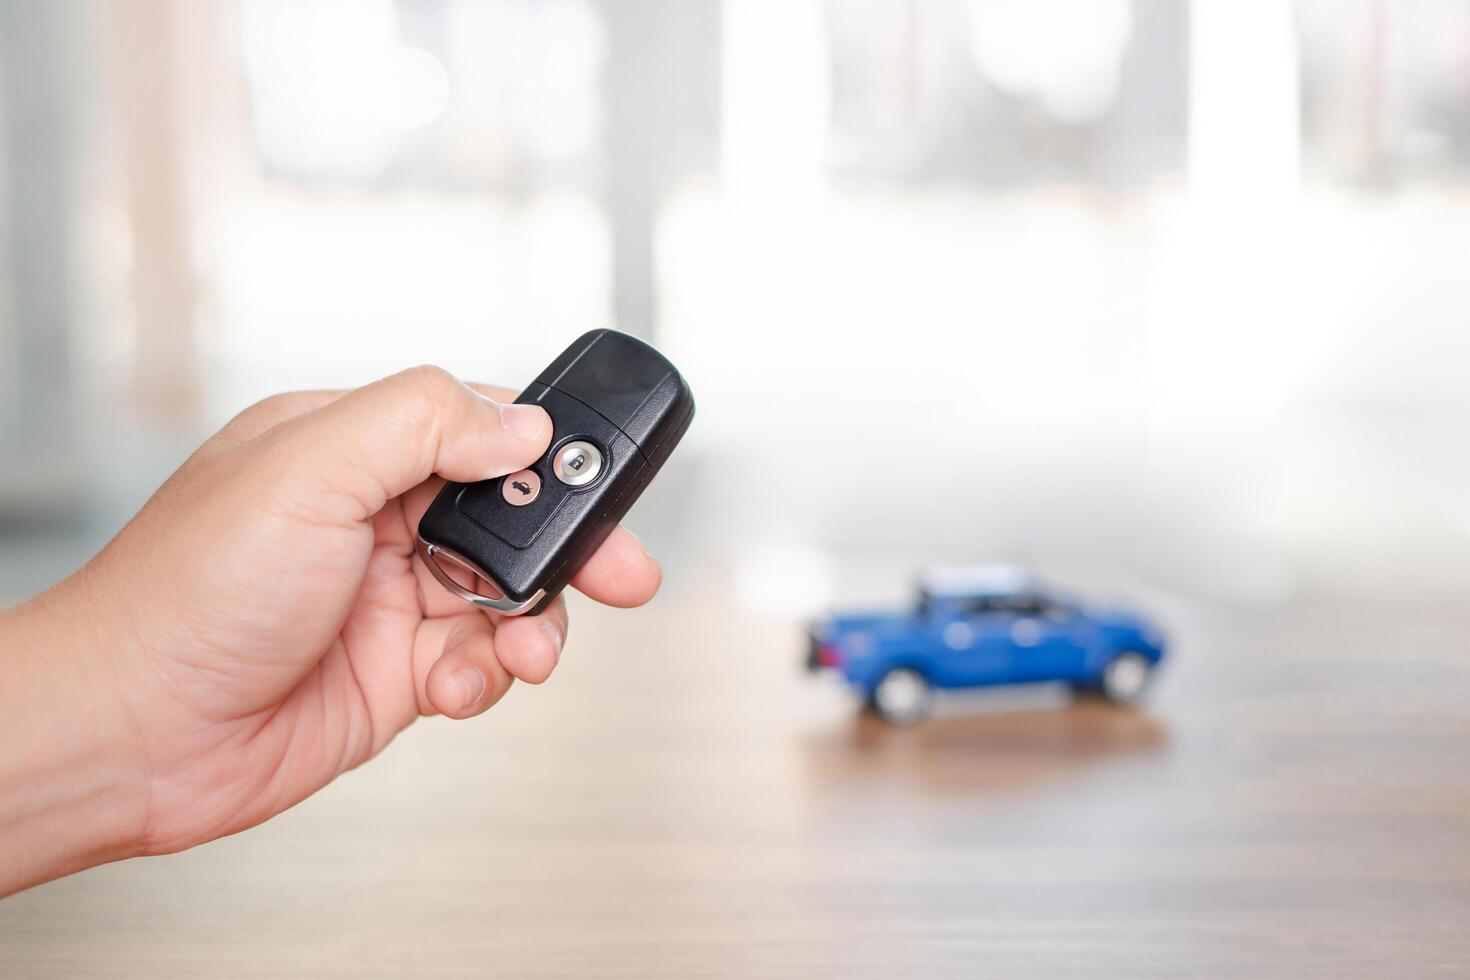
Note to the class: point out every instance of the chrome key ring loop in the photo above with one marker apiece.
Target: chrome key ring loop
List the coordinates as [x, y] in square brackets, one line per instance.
[503, 603]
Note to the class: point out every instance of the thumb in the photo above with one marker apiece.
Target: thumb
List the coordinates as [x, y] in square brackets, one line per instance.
[383, 439]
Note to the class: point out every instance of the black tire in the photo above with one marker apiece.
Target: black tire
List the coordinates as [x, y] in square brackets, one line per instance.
[903, 696]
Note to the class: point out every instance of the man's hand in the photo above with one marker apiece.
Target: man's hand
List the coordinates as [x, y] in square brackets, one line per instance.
[263, 625]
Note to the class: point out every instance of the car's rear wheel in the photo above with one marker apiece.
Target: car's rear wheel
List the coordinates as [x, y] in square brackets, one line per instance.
[1126, 677]
[903, 696]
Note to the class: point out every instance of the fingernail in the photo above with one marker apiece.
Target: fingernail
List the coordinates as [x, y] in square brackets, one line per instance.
[523, 421]
[472, 685]
[554, 635]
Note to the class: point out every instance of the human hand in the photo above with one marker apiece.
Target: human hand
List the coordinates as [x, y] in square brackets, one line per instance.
[263, 625]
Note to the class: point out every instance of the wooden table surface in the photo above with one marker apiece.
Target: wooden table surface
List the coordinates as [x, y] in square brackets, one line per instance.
[683, 801]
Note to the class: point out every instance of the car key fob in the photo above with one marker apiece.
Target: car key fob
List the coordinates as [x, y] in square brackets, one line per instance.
[618, 408]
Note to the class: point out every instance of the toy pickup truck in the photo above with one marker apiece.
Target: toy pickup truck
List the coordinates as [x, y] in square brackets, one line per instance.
[984, 626]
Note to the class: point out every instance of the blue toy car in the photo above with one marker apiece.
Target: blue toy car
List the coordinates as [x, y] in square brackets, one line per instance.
[981, 626]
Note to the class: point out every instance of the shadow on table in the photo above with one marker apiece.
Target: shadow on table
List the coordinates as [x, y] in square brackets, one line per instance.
[983, 751]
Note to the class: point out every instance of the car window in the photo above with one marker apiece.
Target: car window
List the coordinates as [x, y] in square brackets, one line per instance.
[975, 605]
[1019, 605]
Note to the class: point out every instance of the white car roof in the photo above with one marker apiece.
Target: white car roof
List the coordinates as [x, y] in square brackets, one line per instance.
[977, 580]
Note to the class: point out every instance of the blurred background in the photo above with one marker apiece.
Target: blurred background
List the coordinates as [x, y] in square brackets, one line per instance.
[1176, 294]
[1165, 300]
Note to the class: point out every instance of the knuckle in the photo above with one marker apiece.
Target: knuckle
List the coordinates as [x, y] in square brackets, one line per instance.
[267, 408]
[431, 379]
[430, 389]
[253, 420]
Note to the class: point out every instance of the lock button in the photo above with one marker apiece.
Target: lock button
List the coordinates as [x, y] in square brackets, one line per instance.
[577, 463]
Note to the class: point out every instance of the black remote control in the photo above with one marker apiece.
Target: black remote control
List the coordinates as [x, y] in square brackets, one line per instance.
[618, 408]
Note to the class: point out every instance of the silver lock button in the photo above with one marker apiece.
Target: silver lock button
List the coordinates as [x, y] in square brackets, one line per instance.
[577, 463]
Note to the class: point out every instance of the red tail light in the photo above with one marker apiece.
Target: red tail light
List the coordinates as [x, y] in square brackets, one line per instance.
[828, 655]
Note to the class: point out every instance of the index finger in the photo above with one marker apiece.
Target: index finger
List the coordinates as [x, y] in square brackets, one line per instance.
[347, 459]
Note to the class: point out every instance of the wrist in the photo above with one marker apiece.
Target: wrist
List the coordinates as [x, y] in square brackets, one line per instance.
[73, 793]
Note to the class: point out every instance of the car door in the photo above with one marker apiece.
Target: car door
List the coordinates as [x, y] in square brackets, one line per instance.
[1047, 642]
[976, 642]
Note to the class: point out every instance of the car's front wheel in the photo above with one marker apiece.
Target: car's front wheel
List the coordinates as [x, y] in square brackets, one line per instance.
[903, 696]
[1126, 677]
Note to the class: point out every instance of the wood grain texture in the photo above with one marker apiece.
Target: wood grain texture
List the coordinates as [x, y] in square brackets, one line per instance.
[682, 801]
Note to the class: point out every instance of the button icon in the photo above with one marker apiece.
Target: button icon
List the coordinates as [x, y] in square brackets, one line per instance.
[577, 463]
[519, 489]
